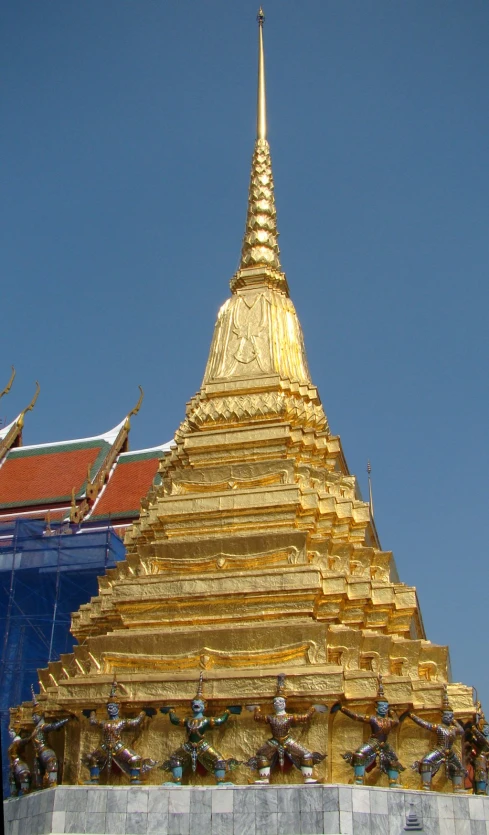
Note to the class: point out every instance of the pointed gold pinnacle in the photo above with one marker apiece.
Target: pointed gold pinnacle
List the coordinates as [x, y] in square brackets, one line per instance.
[260, 243]
[261, 114]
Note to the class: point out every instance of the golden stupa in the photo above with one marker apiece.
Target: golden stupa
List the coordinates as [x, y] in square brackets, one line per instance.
[254, 556]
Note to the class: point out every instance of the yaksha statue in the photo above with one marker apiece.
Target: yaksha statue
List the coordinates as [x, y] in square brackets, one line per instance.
[477, 749]
[446, 735]
[45, 760]
[196, 749]
[282, 745]
[113, 750]
[19, 771]
[377, 748]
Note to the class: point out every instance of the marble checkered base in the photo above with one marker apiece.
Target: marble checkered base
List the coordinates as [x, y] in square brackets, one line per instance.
[244, 810]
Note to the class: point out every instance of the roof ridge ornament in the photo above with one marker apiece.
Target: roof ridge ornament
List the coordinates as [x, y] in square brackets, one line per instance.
[9, 384]
[96, 480]
[135, 410]
[29, 408]
[12, 435]
[260, 242]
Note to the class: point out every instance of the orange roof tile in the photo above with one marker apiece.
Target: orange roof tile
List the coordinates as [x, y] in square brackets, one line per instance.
[129, 483]
[45, 474]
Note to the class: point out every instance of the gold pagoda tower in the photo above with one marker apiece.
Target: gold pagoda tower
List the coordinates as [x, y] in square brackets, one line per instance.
[255, 555]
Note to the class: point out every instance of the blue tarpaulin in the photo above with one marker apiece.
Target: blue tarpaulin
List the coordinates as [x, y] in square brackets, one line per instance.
[43, 579]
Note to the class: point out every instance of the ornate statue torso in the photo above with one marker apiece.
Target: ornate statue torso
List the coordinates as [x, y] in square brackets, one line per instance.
[281, 724]
[196, 726]
[112, 730]
[446, 735]
[380, 726]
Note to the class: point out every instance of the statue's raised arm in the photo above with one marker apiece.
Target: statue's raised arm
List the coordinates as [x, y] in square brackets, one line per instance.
[217, 721]
[428, 726]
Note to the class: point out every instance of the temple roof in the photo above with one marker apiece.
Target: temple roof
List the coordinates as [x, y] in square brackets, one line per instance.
[44, 479]
[69, 480]
[45, 473]
[128, 484]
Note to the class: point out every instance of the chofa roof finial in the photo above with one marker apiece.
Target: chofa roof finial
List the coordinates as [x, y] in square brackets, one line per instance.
[9, 384]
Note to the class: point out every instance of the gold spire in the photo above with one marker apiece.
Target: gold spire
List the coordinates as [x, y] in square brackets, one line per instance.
[261, 113]
[260, 247]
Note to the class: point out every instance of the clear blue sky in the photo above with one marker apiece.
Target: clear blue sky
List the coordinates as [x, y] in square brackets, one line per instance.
[128, 129]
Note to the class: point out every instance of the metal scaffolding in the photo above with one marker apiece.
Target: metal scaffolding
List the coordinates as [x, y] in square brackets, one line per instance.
[45, 574]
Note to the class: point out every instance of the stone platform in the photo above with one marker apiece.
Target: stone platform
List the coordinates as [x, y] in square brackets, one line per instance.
[243, 810]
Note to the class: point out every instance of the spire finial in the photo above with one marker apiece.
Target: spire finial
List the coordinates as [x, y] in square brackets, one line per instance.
[260, 246]
[370, 494]
[261, 112]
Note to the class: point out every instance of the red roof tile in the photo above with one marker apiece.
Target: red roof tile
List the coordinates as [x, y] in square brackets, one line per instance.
[43, 476]
[128, 484]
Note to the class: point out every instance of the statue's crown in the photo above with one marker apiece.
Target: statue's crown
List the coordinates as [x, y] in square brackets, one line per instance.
[280, 692]
[113, 693]
[446, 703]
[380, 690]
[200, 688]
